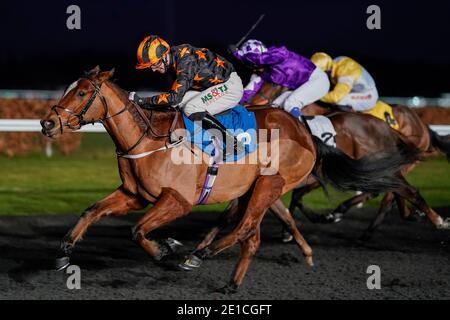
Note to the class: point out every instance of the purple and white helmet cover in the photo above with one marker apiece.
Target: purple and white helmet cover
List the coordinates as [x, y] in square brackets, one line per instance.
[251, 46]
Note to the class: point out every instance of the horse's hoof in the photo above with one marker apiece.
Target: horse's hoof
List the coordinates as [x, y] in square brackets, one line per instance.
[228, 289]
[173, 244]
[192, 262]
[309, 261]
[415, 216]
[445, 225]
[420, 214]
[62, 263]
[167, 247]
[286, 237]
[330, 218]
[336, 217]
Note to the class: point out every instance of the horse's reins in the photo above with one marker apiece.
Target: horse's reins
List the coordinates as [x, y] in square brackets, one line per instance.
[148, 126]
[149, 129]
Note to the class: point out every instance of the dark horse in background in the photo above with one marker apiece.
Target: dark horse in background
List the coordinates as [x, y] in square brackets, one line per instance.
[359, 136]
[174, 188]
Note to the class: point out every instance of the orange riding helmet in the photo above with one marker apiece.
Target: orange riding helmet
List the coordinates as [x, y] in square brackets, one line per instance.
[150, 51]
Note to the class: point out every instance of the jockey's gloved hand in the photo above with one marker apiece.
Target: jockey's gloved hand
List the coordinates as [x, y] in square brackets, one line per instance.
[232, 49]
[135, 98]
[296, 112]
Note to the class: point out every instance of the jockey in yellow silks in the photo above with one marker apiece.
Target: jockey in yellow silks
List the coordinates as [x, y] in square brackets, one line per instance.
[353, 85]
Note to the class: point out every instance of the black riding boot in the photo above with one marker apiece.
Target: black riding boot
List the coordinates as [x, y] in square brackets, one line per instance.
[210, 122]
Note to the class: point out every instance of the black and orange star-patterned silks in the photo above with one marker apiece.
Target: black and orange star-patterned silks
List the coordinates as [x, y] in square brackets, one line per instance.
[195, 68]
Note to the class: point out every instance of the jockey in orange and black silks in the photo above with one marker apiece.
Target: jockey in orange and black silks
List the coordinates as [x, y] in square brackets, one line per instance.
[206, 83]
[306, 82]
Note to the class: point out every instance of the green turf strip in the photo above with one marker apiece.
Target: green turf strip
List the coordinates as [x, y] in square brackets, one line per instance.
[35, 184]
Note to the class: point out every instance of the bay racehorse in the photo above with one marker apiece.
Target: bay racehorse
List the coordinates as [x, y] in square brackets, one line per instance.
[360, 138]
[173, 188]
[358, 135]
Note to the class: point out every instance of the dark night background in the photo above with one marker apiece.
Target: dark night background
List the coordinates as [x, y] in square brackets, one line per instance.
[410, 55]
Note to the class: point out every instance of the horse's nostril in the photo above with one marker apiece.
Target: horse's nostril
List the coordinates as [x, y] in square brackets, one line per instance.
[48, 124]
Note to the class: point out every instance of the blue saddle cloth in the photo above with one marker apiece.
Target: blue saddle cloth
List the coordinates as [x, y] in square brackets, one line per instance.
[241, 122]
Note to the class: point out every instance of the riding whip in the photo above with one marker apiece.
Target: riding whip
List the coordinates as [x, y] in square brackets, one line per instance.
[250, 31]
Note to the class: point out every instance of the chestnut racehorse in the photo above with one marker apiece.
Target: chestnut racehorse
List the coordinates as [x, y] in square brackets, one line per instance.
[174, 188]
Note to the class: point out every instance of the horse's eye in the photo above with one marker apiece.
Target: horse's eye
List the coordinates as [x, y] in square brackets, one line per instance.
[81, 93]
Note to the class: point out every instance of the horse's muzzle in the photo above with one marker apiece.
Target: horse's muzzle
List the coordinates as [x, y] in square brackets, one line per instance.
[47, 127]
[47, 124]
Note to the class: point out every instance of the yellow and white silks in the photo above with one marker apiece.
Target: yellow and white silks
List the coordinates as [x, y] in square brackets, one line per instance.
[353, 85]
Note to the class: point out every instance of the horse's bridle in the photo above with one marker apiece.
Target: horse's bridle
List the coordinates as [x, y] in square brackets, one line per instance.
[80, 115]
[82, 121]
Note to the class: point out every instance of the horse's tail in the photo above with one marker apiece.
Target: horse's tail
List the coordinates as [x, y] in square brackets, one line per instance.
[368, 174]
[441, 143]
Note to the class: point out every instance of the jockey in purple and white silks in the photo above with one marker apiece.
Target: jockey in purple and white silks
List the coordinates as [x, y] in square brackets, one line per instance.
[306, 82]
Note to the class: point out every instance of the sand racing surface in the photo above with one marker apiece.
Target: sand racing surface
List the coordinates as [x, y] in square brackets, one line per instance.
[414, 259]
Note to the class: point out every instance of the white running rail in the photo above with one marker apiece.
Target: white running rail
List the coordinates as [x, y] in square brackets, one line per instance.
[33, 125]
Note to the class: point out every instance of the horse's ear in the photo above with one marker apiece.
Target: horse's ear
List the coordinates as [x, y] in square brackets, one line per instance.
[94, 72]
[105, 75]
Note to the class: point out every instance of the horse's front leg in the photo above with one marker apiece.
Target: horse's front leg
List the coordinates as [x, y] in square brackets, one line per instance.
[170, 206]
[297, 201]
[117, 203]
[232, 214]
[413, 195]
[265, 192]
[386, 205]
